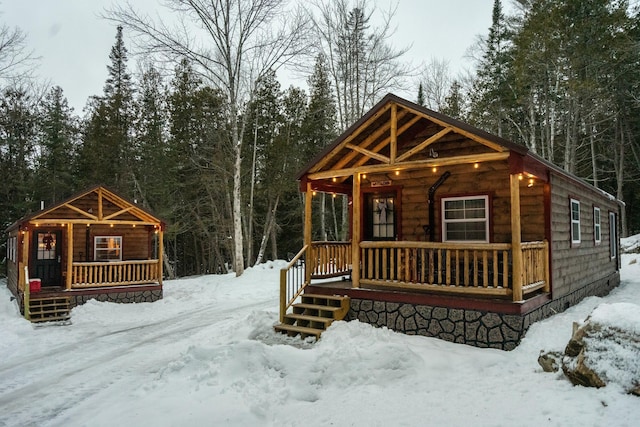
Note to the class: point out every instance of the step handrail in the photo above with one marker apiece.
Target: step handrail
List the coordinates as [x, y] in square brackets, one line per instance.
[293, 281]
[27, 293]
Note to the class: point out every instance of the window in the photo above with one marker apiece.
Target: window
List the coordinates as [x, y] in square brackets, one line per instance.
[383, 221]
[613, 235]
[597, 233]
[107, 248]
[575, 221]
[465, 219]
[46, 246]
[11, 249]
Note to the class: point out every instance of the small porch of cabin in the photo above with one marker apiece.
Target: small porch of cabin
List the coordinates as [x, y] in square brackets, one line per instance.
[93, 245]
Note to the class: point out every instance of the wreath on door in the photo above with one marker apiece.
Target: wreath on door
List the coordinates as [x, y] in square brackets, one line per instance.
[47, 240]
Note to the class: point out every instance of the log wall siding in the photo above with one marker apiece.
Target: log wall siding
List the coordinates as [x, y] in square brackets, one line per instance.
[490, 178]
[135, 240]
[575, 265]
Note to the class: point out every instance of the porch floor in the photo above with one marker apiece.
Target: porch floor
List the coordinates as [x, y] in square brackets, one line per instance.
[489, 304]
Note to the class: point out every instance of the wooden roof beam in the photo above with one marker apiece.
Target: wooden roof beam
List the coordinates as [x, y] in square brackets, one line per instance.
[424, 144]
[368, 141]
[472, 136]
[393, 149]
[80, 211]
[368, 153]
[418, 164]
[348, 139]
[115, 214]
[385, 141]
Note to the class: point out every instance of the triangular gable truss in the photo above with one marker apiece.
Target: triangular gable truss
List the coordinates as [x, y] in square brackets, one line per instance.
[104, 197]
[351, 153]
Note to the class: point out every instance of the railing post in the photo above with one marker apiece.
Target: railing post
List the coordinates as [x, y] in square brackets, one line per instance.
[308, 203]
[27, 294]
[516, 239]
[69, 277]
[545, 262]
[283, 293]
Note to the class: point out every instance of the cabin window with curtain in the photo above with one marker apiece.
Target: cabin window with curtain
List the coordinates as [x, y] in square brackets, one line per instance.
[107, 248]
[465, 219]
[597, 228]
[383, 221]
[575, 221]
[613, 235]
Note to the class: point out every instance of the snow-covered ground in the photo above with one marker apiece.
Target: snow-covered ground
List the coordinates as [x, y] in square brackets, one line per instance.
[206, 355]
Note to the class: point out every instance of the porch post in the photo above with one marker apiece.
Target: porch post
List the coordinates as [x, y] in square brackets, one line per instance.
[516, 237]
[308, 262]
[160, 252]
[355, 232]
[69, 256]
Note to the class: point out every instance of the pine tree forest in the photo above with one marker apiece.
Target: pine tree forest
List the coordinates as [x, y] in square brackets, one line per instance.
[211, 142]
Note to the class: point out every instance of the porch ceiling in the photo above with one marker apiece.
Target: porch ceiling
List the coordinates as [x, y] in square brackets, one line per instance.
[96, 205]
[396, 135]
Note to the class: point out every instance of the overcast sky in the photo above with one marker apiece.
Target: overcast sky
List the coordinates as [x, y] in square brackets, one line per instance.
[74, 42]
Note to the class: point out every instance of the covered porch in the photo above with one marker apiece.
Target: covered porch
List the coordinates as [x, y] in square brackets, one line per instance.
[477, 270]
[93, 245]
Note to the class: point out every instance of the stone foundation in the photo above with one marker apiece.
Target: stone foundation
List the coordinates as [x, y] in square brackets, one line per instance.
[137, 296]
[468, 326]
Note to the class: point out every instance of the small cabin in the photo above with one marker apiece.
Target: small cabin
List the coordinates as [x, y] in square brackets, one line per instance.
[455, 233]
[95, 244]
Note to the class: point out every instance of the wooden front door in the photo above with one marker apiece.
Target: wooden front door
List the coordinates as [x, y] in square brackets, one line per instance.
[46, 257]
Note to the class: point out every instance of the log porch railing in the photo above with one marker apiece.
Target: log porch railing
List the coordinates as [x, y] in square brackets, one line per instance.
[461, 268]
[116, 273]
[464, 268]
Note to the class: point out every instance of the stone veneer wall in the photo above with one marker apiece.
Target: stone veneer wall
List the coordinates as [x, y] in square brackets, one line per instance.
[149, 295]
[465, 326]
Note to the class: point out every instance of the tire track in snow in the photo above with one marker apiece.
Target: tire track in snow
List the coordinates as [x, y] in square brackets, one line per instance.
[77, 362]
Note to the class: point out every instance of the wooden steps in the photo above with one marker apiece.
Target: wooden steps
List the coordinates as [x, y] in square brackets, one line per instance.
[49, 309]
[313, 315]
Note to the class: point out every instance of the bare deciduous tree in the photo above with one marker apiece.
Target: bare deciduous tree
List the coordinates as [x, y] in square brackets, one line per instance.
[233, 43]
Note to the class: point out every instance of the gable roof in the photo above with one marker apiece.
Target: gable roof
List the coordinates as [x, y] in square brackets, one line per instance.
[369, 140]
[95, 204]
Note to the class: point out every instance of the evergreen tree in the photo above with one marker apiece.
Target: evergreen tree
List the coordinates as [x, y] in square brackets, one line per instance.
[18, 119]
[319, 130]
[58, 136]
[420, 100]
[454, 102]
[108, 155]
[153, 162]
[491, 95]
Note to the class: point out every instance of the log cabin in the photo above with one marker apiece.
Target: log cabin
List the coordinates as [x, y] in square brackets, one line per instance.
[95, 244]
[455, 233]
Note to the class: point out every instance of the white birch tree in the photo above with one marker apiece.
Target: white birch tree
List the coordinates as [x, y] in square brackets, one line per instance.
[232, 43]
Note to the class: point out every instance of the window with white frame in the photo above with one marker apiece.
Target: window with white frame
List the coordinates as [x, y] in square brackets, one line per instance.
[465, 219]
[597, 228]
[12, 249]
[613, 235]
[107, 248]
[575, 221]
